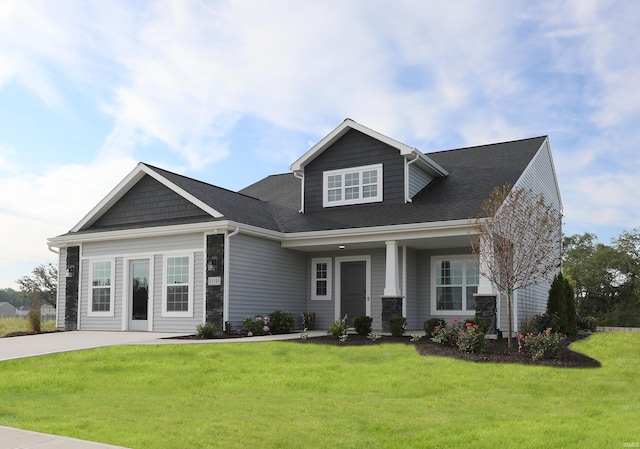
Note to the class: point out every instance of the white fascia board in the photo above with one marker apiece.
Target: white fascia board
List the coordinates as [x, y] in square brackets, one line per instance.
[127, 183]
[338, 132]
[155, 231]
[183, 193]
[430, 166]
[380, 233]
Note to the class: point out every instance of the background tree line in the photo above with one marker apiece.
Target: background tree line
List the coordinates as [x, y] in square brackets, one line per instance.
[605, 278]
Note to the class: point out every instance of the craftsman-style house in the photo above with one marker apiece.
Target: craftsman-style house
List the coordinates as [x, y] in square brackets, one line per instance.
[362, 225]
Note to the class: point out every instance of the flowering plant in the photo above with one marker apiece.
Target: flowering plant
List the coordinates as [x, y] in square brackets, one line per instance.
[467, 336]
[258, 325]
[545, 345]
[471, 338]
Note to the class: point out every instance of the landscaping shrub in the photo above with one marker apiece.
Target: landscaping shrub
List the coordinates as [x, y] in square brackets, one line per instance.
[539, 323]
[338, 328]
[562, 304]
[483, 325]
[281, 322]
[206, 330]
[465, 336]
[258, 325]
[430, 324]
[471, 338]
[397, 325]
[545, 345]
[362, 324]
[586, 323]
[34, 319]
[446, 335]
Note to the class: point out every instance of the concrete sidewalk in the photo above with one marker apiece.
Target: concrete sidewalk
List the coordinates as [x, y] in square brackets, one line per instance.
[51, 343]
[22, 439]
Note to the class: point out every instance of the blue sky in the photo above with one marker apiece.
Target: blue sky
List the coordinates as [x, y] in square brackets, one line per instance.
[231, 91]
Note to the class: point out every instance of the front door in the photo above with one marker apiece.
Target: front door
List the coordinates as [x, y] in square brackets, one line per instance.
[353, 289]
[139, 295]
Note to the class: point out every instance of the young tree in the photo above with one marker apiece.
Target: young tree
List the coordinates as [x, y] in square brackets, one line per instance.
[42, 284]
[519, 241]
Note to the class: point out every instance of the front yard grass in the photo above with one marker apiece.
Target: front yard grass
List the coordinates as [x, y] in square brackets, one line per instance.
[288, 395]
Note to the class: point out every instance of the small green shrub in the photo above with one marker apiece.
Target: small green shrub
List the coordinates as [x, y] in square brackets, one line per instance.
[471, 338]
[34, 319]
[206, 330]
[539, 323]
[397, 324]
[281, 322]
[430, 324]
[545, 345]
[586, 323]
[362, 324]
[258, 325]
[338, 328]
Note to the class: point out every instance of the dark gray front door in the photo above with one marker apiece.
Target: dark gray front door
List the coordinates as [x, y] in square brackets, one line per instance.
[353, 289]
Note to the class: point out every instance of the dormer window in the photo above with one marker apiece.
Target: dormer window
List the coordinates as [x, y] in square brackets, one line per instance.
[356, 185]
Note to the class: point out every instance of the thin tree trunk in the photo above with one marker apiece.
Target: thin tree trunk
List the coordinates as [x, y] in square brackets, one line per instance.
[510, 317]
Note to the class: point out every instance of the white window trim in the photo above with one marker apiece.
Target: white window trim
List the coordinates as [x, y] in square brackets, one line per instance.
[175, 314]
[314, 279]
[360, 200]
[434, 311]
[112, 288]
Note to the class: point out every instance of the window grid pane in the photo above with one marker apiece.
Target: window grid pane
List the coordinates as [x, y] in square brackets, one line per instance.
[456, 282]
[351, 193]
[101, 299]
[351, 179]
[177, 298]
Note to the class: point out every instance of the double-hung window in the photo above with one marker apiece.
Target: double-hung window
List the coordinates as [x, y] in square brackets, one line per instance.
[101, 291]
[352, 185]
[454, 281]
[178, 289]
[321, 279]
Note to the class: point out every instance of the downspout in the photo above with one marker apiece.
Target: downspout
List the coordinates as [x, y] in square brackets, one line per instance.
[406, 178]
[300, 175]
[225, 288]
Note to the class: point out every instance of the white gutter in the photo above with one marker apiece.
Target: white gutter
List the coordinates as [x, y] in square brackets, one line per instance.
[406, 178]
[300, 175]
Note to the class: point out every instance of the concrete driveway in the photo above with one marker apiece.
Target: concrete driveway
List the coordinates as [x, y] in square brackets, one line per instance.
[50, 343]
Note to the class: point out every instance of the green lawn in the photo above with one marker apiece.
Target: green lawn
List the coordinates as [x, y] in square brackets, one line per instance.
[287, 395]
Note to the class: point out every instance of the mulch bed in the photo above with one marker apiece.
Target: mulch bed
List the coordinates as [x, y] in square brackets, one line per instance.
[497, 351]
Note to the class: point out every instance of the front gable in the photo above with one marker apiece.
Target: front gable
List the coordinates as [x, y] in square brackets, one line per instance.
[146, 202]
[354, 165]
[143, 197]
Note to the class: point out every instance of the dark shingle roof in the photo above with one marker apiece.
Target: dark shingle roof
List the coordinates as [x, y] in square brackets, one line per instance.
[473, 173]
[274, 202]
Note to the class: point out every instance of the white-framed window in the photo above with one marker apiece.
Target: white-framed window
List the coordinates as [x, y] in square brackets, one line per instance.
[352, 185]
[454, 280]
[177, 297]
[101, 291]
[321, 279]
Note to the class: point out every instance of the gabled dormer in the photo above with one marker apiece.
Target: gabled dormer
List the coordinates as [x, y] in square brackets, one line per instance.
[354, 165]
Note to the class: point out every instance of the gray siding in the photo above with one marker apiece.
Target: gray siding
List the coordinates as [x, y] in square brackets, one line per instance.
[325, 310]
[123, 250]
[101, 323]
[355, 149]
[263, 277]
[540, 177]
[411, 290]
[418, 180]
[424, 282]
[148, 200]
[179, 324]
[378, 274]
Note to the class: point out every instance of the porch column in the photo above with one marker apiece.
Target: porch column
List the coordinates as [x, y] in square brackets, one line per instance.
[392, 283]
